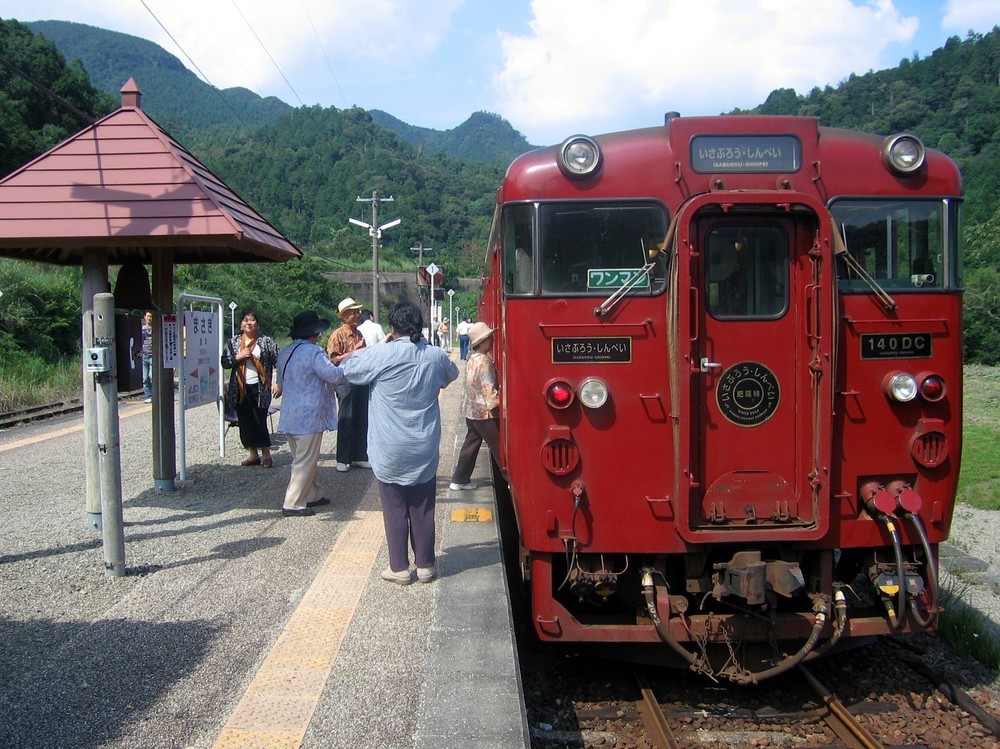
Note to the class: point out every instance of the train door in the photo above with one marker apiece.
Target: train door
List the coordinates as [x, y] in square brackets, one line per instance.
[759, 353]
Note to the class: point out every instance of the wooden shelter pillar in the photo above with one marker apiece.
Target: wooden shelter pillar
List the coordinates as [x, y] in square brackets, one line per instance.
[164, 437]
[95, 281]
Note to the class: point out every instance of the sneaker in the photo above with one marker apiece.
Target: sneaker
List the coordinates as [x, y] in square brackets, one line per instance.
[361, 464]
[148, 400]
[458, 487]
[401, 578]
[343, 467]
[426, 574]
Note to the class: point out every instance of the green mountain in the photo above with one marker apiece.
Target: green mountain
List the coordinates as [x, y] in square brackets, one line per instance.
[483, 137]
[181, 102]
[174, 96]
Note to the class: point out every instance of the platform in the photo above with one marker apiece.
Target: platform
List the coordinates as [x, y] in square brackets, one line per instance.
[235, 626]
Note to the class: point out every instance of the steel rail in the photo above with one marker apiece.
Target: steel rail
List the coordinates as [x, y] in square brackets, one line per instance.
[840, 720]
[652, 715]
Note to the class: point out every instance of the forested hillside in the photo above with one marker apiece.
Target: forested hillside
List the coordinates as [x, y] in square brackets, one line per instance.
[305, 169]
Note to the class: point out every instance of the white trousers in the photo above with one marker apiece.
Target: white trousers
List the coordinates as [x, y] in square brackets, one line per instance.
[303, 485]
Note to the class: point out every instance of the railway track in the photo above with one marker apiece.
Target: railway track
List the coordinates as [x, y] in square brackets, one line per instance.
[48, 410]
[880, 695]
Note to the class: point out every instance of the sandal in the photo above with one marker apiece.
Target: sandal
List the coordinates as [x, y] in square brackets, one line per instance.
[250, 462]
[266, 462]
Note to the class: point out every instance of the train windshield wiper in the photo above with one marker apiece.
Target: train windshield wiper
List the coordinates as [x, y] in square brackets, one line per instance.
[618, 294]
[840, 249]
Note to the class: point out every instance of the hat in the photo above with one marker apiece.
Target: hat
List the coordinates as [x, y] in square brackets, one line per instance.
[307, 324]
[345, 305]
[479, 332]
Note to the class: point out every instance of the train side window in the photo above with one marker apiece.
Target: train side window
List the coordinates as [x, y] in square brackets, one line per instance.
[746, 272]
[518, 247]
[900, 243]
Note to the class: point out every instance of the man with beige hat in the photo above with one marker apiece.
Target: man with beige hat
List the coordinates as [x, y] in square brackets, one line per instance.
[352, 425]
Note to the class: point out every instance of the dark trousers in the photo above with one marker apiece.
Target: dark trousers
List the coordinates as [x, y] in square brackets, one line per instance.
[408, 515]
[479, 430]
[352, 423]
[253, 420]
[463, 347]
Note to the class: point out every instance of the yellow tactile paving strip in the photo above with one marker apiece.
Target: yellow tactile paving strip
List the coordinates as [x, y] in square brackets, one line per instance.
[279, 703]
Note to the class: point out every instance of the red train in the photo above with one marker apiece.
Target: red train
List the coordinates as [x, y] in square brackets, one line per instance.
[730, 359]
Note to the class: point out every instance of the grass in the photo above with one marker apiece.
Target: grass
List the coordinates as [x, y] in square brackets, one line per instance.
[979, 481]
[968, 631]
[31, 382]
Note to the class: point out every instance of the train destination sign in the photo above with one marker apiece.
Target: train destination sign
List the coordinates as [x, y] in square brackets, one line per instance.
[752, 154]
[895, 345]
[616, 350]
[615, 278]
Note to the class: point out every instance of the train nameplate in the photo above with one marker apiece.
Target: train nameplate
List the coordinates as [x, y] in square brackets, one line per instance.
[895, 345]
[748, 394]
[748, 154]
[609, 350]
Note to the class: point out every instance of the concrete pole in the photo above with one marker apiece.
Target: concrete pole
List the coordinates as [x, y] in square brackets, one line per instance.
[375, 239]
[108, 443]
[164, 436]
[95, 281]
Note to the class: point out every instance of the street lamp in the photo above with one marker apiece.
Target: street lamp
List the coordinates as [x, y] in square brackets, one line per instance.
[451, 324]
[375, 232]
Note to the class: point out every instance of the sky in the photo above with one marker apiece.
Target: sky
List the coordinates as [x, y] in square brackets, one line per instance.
[552, 68]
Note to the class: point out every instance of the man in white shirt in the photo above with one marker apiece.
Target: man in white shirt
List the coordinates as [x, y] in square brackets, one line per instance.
[463, 337]
[370, 329]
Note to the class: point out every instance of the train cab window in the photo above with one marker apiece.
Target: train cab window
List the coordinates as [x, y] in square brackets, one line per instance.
[518, 249]
[596, 247]
[746, 271]
[900, 243]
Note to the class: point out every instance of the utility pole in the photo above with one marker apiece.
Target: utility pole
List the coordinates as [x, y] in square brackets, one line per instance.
[375, 231]
[420, 250]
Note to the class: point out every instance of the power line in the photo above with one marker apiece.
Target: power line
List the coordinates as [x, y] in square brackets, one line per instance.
[321, 49]
[205, 77]
[259, 41]
[47, 91]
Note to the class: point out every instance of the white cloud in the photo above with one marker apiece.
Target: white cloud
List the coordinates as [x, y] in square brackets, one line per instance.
[978, 15]
[592, 62]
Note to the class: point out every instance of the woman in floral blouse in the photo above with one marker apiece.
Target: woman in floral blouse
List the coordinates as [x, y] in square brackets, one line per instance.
[480, 406]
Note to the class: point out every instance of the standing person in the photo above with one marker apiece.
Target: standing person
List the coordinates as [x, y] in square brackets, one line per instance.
[444, 336]
[463, 337]
[147, 356]
[308, 408]
[406, 375]
[480, 406]
[371, 331]
[352, 432]
[251, 356]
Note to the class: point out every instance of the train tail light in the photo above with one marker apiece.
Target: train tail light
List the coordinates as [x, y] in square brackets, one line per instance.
[932, 387]
[559, 394]
[900, 387]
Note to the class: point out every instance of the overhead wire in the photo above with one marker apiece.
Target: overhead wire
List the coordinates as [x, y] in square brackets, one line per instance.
[46, 90]
[200, 72]
[323, 50]
[273, 62]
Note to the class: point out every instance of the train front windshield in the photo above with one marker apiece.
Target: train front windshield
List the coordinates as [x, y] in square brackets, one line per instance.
[902, 244]
[583, 248]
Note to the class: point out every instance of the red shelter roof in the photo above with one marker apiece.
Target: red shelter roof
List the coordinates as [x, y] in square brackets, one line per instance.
[124, 185]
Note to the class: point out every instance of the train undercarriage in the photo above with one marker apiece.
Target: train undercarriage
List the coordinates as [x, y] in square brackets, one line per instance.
[741, 615]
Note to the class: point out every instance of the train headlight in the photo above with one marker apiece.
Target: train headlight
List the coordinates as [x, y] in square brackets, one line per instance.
[559, 394]
[579, 156]
[593, 392]
[932, 387]
[904, 154]
[901, 387]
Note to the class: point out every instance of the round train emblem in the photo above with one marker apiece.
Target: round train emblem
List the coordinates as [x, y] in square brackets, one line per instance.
[748, 394]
